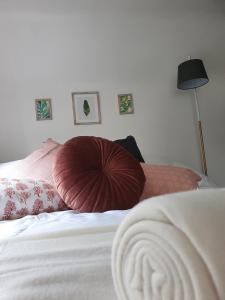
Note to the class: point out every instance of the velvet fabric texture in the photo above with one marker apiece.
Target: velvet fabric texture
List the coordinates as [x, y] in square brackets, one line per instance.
[94, 175]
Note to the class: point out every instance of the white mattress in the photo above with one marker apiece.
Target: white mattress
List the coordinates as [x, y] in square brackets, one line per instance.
[59, 221]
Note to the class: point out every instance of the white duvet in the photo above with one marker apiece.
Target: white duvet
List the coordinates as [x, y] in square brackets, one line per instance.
[58, 256]
[58, 221]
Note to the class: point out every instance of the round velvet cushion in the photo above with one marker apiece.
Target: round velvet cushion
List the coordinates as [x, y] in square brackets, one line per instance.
[93, 175]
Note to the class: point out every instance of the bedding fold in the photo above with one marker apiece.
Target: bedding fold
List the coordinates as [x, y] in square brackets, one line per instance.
[172, 248]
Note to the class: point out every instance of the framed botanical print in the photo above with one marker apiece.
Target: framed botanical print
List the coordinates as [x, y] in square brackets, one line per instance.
[126, 104]
[43, 109]
[86, 108]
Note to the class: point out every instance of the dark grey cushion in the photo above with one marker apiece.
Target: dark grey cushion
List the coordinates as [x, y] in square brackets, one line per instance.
[129, 143]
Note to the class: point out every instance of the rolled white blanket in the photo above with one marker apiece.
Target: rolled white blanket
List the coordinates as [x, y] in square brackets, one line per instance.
[172, 247]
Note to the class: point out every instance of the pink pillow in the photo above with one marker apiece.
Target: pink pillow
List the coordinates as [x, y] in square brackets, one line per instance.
[165, 179]
[38, 165]
[46, 148]
[19, 198]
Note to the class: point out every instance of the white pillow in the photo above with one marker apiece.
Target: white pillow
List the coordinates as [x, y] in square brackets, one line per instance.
[8, 169]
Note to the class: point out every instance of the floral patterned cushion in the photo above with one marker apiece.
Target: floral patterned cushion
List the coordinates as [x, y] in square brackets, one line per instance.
[21, 197]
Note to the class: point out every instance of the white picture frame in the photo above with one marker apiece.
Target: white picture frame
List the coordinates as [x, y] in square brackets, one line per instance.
[86, 108]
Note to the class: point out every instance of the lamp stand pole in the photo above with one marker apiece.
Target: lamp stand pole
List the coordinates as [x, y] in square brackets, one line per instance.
[202, 147]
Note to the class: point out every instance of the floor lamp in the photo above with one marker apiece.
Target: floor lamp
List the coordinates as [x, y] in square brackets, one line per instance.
[191, 75]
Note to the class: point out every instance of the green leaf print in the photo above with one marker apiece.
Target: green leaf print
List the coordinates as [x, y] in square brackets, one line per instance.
[43, 110]
[126, 104]
[86, 108]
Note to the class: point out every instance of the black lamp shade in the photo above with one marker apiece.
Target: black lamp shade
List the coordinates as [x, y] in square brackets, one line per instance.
[191, 74]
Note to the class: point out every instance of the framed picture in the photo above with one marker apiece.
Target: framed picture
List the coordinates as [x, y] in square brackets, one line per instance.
[86, 108]
[126, 104]
[43, 108]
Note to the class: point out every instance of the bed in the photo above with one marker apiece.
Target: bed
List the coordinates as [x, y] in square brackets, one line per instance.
[64, 254]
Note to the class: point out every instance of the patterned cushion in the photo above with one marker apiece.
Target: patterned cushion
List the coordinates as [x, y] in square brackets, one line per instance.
[19, 198]
[165, 179]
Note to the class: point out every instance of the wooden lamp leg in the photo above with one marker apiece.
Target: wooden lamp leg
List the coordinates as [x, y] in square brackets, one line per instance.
[202, 147]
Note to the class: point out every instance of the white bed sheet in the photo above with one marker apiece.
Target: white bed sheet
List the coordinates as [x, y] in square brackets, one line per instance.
[59, 221]
[8, 169]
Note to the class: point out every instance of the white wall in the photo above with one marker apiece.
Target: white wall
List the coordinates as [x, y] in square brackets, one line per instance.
[52, 48]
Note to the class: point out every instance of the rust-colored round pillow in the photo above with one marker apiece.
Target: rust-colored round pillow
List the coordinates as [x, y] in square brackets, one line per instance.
[93, 175]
